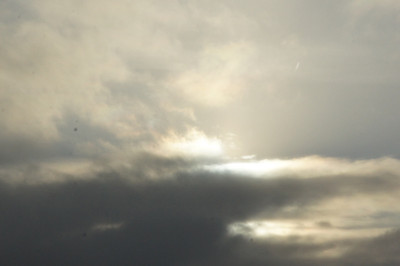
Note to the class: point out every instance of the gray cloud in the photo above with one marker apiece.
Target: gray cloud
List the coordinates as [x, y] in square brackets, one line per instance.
[181, 220]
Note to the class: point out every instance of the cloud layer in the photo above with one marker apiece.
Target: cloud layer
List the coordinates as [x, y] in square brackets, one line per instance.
[200, 217]
[138, 71]
[199, 132]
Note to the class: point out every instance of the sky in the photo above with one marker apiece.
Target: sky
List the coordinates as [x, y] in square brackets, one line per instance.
[189, 132]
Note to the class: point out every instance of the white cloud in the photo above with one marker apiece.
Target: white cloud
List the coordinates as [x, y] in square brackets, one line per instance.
[193, 143]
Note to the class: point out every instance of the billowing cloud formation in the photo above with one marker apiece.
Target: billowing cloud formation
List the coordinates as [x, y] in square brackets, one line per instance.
[199, 132]
[287, 79]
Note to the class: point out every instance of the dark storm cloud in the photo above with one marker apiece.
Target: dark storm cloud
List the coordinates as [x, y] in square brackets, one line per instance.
[175, 221]
[382, 250]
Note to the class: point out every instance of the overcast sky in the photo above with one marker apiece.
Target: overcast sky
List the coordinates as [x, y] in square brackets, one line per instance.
[199, 132]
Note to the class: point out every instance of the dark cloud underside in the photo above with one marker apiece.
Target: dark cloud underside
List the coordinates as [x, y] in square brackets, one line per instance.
[179, 221]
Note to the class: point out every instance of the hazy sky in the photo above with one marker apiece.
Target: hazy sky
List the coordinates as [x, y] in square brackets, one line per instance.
[199, 132]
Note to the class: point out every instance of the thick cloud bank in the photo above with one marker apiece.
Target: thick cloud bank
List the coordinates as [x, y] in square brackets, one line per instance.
[201, 217]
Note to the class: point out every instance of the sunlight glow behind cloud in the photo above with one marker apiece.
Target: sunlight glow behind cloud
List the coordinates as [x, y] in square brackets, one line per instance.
[194, 143]
[311, 166]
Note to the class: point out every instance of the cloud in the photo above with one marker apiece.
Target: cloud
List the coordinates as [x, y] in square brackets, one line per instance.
[119, 216]
[220, 76]
[117, 69]
[141, 70]
[125, 128]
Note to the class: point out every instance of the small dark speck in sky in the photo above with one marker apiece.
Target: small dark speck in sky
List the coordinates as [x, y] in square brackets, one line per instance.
[76, 129]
